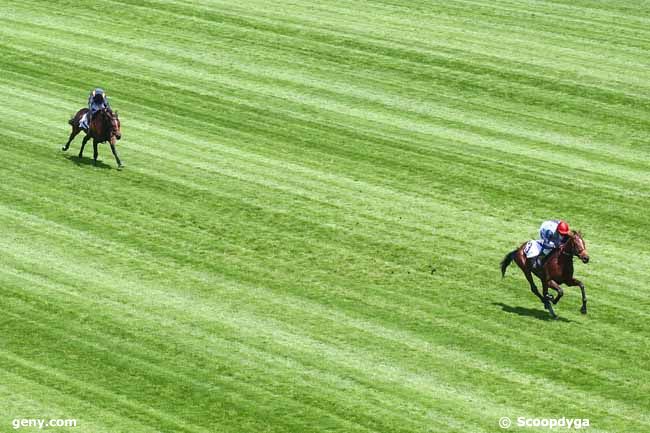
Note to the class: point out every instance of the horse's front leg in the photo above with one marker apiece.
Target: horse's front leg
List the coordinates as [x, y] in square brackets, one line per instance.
[574, 282]
[83, 144]
[117, 158]
[95, 153]
[555, 286]
[73, 134]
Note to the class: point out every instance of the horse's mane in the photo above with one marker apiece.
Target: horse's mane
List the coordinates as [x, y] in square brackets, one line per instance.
[110, 113]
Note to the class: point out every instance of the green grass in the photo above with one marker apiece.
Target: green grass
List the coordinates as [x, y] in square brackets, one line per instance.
[294, 172]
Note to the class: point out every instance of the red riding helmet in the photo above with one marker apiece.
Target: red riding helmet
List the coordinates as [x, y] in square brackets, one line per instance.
[563, 228]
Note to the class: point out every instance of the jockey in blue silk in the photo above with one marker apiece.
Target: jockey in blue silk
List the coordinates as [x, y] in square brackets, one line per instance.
[96, 101]
[552, 234]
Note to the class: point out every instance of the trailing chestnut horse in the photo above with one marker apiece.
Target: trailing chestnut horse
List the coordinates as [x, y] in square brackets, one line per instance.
[105, 126]
[557, 269]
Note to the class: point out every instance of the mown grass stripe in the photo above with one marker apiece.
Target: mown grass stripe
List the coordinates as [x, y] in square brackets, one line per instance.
[294, 174]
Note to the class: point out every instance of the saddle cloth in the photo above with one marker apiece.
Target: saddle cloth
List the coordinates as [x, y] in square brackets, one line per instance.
[534, 248]
[83, 122]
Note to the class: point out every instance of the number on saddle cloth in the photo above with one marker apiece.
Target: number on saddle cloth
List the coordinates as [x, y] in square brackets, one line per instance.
[532, 249]
[535, 250]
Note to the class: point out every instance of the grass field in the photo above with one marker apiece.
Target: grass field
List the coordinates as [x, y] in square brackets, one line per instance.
[317, 195]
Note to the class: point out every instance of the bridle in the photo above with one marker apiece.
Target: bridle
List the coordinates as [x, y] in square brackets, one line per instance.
[113, 120]
[574, 247]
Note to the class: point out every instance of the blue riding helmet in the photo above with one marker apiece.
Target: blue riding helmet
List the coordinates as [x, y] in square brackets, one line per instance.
[98, 94]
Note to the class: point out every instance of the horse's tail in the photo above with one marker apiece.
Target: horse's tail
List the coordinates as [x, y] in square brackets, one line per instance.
[71, 121]
[506, 261]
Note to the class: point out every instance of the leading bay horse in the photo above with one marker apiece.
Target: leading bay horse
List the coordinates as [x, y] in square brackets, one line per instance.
[557, 269]
[105, 126]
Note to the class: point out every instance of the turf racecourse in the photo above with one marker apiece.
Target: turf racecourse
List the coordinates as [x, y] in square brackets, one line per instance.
[316, 198]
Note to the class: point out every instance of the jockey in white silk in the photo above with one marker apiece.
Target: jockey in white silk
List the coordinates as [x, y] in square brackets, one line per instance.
[552, 234]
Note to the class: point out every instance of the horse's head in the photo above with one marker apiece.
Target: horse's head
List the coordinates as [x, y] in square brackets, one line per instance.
[575, 246]
[115, 132]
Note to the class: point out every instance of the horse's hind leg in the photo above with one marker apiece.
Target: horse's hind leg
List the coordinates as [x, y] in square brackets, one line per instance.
[117, 158]
[547, 300]
[555, 286]
[531, 281]
[574, 282]
[533, 287]
[83, 144]
[73, 134]
[520, 259]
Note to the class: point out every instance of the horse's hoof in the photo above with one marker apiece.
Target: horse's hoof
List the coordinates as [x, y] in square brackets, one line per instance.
[555, 317]
[583, 310]
[64, 148]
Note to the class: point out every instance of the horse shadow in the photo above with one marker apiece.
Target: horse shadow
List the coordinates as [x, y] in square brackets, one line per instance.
[87, 162]
[539, 314]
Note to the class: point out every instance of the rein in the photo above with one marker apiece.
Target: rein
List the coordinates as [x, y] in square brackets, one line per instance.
[109, 120]
[575, 253]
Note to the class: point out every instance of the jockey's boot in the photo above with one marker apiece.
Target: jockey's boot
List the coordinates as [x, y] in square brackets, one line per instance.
[88, 120]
